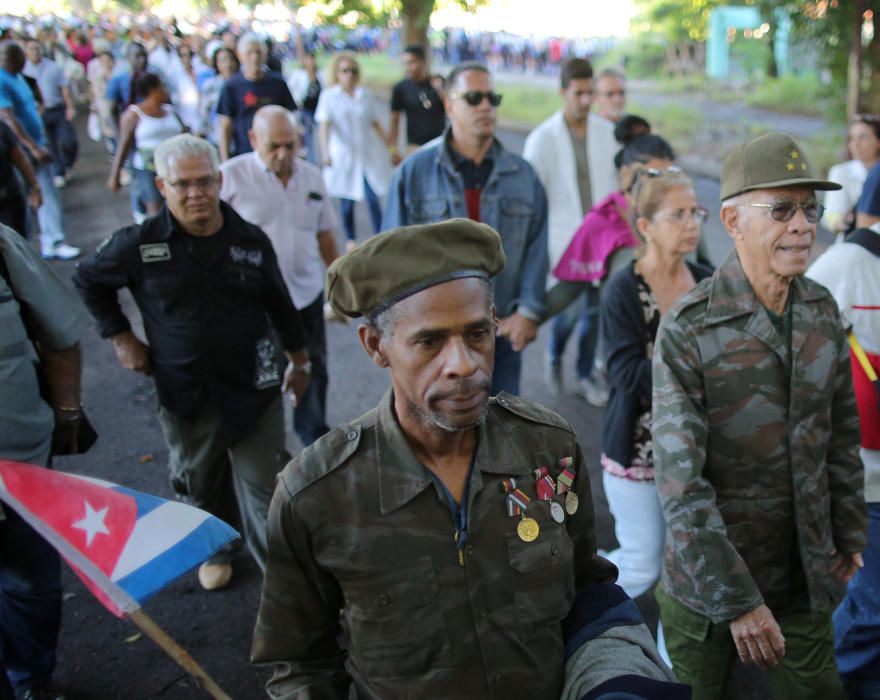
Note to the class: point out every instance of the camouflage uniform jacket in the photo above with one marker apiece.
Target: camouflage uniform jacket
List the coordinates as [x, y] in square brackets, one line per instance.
[357, 524]
[755, 447]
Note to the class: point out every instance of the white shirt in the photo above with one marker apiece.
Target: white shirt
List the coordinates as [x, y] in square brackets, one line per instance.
[290, 216]
[852, 275]
[185, 96]
[355, 149]
[839, 203]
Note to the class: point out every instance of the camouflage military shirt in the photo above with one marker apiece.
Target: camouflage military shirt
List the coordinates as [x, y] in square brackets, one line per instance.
[755, 447]
[358, 525]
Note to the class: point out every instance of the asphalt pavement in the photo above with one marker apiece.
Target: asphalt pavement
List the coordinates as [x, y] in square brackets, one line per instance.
[102, 657]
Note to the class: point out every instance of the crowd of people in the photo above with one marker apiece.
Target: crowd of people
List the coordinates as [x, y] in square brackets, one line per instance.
[451, 529]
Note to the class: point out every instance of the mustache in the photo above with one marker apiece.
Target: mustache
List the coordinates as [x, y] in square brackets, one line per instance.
[461, 386]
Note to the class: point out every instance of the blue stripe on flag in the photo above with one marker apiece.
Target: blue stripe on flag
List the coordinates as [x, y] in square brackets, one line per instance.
[175, 561]
[145, 502]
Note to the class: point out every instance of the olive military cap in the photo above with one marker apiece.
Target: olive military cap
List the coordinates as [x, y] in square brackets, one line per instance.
[770, 160]
[398, 263]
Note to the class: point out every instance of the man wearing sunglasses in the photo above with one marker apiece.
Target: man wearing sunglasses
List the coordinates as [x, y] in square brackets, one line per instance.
[756, 444]
[467, 173]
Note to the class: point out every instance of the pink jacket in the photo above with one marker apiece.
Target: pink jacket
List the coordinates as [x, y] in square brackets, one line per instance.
[605, 229]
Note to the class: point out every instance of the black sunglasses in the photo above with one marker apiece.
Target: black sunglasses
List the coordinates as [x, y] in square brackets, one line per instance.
[353, 71]
[476, 97]
[785, 210]
[642, 173]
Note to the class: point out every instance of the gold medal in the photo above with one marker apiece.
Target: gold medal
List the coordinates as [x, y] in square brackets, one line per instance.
[571, 503]
[528, 529]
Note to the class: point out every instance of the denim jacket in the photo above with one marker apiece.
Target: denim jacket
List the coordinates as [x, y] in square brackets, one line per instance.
[427, 188]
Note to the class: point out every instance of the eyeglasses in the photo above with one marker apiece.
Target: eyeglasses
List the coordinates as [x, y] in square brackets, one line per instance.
[643, 173]
[785, 210]
[202, 184]
[476, 97]
[866, 117]
[698, 214]
[352, 71]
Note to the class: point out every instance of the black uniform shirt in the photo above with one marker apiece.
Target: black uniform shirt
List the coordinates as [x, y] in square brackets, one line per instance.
[207, 307]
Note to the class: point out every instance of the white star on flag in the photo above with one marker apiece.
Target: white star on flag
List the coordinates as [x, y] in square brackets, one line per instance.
[93, 522]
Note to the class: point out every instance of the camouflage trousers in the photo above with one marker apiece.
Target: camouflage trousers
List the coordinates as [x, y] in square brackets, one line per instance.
[703, 653]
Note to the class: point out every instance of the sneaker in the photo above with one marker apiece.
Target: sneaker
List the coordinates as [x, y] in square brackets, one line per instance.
[553, 376]
[215, 576]
[60, 181]
[61, 251]
[594, 390]
[43, 692]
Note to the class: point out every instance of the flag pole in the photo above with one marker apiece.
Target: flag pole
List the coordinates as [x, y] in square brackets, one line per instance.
[178, 653]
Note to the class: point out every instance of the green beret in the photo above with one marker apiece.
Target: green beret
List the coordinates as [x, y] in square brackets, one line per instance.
[768, 161]
[398, 263]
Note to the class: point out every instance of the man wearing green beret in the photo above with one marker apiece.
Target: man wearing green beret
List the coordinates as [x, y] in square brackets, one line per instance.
[756, 443]
[432, 547]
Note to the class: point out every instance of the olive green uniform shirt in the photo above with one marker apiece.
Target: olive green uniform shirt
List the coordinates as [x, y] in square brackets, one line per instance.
[358, 525]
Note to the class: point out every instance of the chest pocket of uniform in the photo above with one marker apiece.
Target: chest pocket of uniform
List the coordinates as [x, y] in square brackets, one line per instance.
[396, 625]
[245, 280]
[543, 573]
[169, 293]
[426, 211]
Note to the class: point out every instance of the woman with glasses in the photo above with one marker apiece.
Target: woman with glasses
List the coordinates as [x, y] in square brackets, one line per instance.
[144, 125]
[665, 213]
[863, 145]
[354, 146]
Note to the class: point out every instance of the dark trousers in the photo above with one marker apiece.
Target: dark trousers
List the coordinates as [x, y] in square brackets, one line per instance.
[13, 212]
[30, 603]
[508, 367]
[310, 415]
[584, 314]
[375, 207]
[63, 142]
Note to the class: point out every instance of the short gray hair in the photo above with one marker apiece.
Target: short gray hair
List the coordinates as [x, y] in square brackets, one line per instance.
[184, 146]
[246, 40]
[734, 201]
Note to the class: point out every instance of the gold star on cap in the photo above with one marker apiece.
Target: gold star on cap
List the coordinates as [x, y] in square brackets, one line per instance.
[794, 155]
[789, 166]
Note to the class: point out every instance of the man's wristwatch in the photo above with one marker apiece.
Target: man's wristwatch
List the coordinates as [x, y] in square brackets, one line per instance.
[304, 368]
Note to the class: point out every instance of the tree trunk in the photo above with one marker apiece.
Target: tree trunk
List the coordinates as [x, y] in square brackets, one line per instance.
[854, 68]
[416, 15]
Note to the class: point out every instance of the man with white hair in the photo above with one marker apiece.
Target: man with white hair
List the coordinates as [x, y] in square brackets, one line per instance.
[244, 93]
[610, 97]
[210, 294]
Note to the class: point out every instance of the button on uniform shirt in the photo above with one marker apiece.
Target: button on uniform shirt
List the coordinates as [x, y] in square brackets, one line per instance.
[207, 306]
[56, 318]
[358, 524]
[50, 79]
[290, 215]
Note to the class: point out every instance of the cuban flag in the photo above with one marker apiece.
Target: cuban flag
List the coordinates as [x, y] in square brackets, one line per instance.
[124, 545]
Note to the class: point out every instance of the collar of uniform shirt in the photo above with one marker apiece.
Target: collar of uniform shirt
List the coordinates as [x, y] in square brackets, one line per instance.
[268, 170]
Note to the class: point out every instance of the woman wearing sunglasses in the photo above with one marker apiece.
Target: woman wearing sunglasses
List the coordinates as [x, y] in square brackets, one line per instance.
[863, 144]
[354, 146]
[667, 218]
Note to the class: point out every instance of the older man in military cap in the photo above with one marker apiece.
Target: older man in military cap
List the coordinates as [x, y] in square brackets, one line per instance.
[452, 530]
[756, 444]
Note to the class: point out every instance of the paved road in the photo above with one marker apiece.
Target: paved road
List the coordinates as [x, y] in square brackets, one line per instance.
[102, 658]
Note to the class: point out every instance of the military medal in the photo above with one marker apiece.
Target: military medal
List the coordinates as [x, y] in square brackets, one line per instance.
[556, 512]
[571, 502]
[528, 529]
[508, 485]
